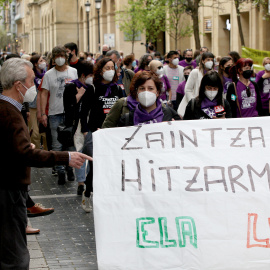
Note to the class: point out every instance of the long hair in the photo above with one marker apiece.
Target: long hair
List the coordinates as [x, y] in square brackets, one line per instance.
[234, 70]
[143, 61]
[204, 56]
[211, 78]
[222, 62]
[34, 60]
[98, 70]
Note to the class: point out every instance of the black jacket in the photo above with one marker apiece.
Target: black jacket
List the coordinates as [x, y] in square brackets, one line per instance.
[169, 114]
[233, 103]
[195, 112]
[98, 106]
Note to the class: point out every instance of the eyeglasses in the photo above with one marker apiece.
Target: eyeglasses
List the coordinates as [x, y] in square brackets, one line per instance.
[248, 91]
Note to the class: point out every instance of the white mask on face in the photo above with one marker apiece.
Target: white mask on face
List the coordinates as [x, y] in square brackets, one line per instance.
[267, 67]
[108, 75]
[147, 98]
[42, 65]
[60, 61]
[88, 59]
[160, 72]
[175, 61]
[30, 93]
[209, 64]
[210, 94]
[89, 80]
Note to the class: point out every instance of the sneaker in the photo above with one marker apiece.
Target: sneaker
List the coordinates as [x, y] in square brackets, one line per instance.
[70, 175]
[54, 171]
[39, 210]
[86, 203]
[80, 190]
[61, 178]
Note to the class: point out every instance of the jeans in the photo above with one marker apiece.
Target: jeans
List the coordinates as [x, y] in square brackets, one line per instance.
[80, 173]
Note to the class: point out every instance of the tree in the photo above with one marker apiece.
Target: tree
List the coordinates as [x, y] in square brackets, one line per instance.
[131, 25]
[236, 3]
[177, 27]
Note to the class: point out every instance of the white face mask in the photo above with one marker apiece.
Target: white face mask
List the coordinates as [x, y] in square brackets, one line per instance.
[175, 61]
[209, 64]
[42, 65]
[89, 80]
[108, 75]
[160, 72]
[88, 59]
[267, 67]
[210, 94]
[30, 93]
[147, 98]
[60, 61]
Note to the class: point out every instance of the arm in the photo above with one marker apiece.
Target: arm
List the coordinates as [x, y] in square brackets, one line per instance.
[179, 98]
[232, 103]
[39, 106]
[44, 98]
[259, 100]
[227, 109]
[191, 84]
[87, 99]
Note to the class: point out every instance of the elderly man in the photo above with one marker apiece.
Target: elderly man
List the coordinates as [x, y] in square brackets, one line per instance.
[18, 155]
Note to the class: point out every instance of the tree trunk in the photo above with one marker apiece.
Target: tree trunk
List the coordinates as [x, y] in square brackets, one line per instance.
[236, 2]
[133, 41]
[195, 19]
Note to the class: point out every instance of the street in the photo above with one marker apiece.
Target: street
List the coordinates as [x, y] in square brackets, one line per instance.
[67, 237]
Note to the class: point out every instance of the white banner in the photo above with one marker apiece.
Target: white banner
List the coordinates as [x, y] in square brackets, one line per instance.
[183, 195]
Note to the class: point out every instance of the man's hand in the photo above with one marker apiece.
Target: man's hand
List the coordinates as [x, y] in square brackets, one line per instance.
[77, 159]
[44, 120]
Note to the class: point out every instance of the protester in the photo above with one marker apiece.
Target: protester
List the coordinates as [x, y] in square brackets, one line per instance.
[243, 95]
[194, 80]
[224, 70]
[180, 91]
[234, 55]
[98, 103]
[166, 93]
[72, 51]
[263, 81]
[198, 58]
[17, 78]
[144, 62]
[129, 62]
[175, 74]
[147, 88]
[54, 82]
[209, 104]
[188, 59]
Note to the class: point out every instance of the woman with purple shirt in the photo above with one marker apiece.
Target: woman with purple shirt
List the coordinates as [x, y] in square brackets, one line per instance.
[263, 81]
[166, 93]
[223, 70]
[243, 95]
[146, 88]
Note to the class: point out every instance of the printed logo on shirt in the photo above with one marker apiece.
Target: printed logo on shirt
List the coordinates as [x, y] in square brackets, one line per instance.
[248, 102]
[266, 86]
[108, 102]
[233, 97]
[61, 81]
[176, 78]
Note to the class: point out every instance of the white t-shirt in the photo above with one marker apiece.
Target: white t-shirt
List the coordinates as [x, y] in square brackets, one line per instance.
[54, 81]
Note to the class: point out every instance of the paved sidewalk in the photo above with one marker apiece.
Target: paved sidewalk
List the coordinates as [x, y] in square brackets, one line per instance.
[67, 238]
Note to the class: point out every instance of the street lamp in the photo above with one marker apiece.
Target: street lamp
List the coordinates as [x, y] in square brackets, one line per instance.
[98, 6]
[87, 9]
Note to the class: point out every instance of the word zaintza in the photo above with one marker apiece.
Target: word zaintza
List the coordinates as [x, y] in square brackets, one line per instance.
[185, 227]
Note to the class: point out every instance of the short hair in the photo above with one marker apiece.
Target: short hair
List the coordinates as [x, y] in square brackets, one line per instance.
[85, 68]
[203, 57]
[242, 62]
[171, 53]
[187, 50]
[59, 50]
[204, 47]
[188, 67]
[98, 70]
[26, 56]
[111, 52]
[12, 55]
[140, 78]
[14, 70]
[151, 47]
[157, 54]
[128, 59]
[265, 59]
[72, 46]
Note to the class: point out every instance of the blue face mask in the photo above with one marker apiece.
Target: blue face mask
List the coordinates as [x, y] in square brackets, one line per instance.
[116, 67]
[134, 63]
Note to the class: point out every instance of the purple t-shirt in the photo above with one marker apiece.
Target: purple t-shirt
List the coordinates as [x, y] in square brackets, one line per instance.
[184, 64]
[181, 88]
[137, 70]
[226, 82]
[265, 90]
[247, 104]
[166, 86]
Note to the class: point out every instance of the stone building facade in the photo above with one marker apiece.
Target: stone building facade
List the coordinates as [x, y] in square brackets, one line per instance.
[43, 24]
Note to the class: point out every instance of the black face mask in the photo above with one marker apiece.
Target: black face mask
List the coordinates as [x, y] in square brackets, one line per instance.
[247, 74]
[189, 59]
[69, 56]
[186, 77]
[227, 70]
[104, 53]
[82, 58]
[148, 62]
[167, 61]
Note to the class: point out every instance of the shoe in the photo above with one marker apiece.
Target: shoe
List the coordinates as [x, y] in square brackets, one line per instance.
[70, 175]
[30, 230]
[61, 178]
[86, 203]
[54, 171]
[80, 190]
[38, 210]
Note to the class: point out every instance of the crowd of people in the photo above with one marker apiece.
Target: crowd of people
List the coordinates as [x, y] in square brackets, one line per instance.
[82, 92]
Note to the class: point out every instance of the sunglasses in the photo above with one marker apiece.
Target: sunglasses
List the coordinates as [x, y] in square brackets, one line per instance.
[248, 91]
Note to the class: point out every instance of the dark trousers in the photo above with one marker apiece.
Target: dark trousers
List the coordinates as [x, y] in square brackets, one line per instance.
[13, 221]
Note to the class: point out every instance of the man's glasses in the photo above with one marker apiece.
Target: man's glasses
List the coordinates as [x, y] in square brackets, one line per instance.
[248, 91]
